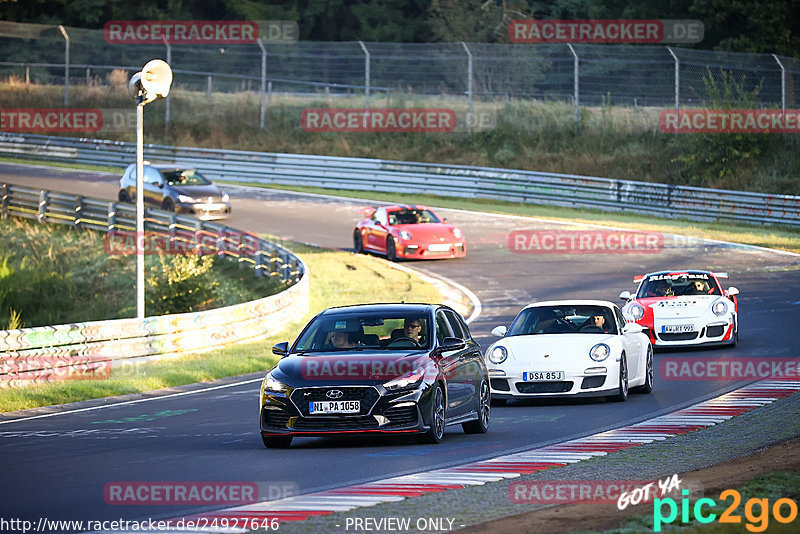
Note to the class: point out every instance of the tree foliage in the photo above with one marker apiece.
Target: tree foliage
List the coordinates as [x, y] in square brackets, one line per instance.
[762, 26]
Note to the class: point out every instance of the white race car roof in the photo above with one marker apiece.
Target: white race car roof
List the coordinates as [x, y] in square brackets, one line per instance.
[606, 303]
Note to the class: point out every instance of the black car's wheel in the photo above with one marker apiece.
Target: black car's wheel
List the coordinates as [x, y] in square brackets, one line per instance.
[481, 425]
[391, 249]
[622, 391]
[168, 205]
[276, 442]
[358, 244]
[649, 373]
[123, 196]
[436, 430]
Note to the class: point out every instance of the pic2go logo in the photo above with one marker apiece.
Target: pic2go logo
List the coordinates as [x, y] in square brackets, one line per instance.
[758, 520]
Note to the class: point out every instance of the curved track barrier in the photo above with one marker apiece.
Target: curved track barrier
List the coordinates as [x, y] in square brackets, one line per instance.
[408, 177]
[88, 350]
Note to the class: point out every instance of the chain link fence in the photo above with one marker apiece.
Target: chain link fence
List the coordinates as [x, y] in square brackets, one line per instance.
[580, 74]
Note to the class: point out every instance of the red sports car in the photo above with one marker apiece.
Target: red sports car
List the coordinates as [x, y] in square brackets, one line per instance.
[404, 231]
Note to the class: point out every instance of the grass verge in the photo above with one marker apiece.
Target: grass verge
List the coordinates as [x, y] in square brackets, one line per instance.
[337, 278]
[777, 237]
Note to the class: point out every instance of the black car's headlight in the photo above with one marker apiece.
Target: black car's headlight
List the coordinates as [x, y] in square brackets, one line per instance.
[408, 380]
[274, 385]
[599, 352]
[185, 199]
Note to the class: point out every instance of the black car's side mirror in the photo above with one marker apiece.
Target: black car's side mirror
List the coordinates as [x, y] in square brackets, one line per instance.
[280, 348]
[452, 343]
[160, 185]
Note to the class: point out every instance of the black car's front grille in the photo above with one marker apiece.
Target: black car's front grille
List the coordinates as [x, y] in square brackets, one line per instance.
[366, 395]
[543, 387]
[401, 415]
[274, 418]
[683, 336]
[335, 422]
[590, 382]
[715, 331]
[500, 384]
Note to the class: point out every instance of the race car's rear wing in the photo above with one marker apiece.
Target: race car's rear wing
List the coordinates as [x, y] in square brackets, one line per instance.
[720, 275]
[368, 211]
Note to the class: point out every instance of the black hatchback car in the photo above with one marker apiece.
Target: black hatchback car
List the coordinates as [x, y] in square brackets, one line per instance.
[383, 368]
[178, 189]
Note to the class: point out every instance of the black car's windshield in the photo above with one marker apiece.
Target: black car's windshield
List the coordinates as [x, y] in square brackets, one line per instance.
[564, 320]
[678, 284]
[365, 331]
[412, 216]
[184, 177]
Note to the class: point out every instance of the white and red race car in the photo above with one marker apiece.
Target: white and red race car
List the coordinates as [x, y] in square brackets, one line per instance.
[680, 308]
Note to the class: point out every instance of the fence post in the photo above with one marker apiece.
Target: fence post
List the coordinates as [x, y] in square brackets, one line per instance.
[42, 206]
[66, 65]
[112, 218]
[783, 84]
[166, 109]
[576, 92]
[677, 83]
[366, 74]
[259, 268]
[208, 86]
[263, 81]
[469, 86]
[4, 212]
[269, 94]
[77, 212]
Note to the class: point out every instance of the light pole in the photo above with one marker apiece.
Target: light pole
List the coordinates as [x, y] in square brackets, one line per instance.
[151, 83]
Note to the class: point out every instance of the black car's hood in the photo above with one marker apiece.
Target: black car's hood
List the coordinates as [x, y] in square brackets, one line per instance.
[198, 191]
[359, 367]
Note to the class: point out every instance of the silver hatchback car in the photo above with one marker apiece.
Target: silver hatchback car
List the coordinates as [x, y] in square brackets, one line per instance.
[178, 189]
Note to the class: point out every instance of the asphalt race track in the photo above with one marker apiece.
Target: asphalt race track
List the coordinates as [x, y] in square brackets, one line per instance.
[57, 467]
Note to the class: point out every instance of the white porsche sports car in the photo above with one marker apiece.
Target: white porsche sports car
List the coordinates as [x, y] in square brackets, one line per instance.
[679, 308]
[568, 348]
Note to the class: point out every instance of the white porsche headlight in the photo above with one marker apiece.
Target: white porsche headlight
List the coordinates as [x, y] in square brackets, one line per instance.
[719, 308]
[498, 354]
[225, 197]
[405, 235]
[599, 352]
[457, 233]
[636, 311]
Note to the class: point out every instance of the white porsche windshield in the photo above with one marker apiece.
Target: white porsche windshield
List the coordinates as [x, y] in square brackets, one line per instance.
[563, 320]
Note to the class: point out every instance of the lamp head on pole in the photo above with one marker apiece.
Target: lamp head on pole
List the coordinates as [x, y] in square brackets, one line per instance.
[152, 82]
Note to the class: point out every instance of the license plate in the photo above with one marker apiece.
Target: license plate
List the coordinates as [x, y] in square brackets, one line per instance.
[542, 376]
[677, 328]
[334, 407]
[210, 207]
[443, 247]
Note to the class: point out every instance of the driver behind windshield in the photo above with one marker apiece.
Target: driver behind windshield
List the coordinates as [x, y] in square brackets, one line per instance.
[413, 328]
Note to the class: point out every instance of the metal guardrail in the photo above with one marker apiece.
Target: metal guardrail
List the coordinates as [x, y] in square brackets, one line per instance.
[89, 349]
[656, 199]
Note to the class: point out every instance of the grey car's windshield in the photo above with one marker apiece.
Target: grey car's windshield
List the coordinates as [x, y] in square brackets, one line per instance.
[184, 177]
[367, 331]
[564, 320]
